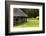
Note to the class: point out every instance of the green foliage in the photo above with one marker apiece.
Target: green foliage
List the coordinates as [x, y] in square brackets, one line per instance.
[37, 17]
[31, 12]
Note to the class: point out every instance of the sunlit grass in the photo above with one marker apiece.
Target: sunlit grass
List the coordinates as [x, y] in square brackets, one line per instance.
[30, 23]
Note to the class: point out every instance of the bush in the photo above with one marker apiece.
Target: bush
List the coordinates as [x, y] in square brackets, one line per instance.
[32, 18]
[37, 17]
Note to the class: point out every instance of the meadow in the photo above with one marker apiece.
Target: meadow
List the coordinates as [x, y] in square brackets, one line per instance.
[31, 22]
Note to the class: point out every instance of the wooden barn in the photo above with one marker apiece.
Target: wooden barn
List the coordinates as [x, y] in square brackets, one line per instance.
[19, 16]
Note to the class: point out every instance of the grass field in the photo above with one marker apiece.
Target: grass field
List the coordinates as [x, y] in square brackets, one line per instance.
[30, 23]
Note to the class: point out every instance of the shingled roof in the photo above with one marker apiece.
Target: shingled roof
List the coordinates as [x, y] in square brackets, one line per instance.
[18, 12]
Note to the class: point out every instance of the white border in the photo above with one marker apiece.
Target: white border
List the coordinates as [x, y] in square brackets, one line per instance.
[14, 29]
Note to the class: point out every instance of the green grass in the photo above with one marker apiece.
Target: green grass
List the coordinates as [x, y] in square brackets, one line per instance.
[30, 23]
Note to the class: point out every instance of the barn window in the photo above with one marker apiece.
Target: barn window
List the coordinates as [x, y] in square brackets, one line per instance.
[16, 19]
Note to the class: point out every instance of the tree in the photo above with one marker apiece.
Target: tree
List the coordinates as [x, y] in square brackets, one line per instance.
[31, 12]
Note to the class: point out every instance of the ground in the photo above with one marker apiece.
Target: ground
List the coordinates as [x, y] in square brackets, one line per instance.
[30, 23]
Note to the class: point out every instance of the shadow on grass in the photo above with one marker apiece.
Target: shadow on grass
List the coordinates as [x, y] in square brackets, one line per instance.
[19, 24]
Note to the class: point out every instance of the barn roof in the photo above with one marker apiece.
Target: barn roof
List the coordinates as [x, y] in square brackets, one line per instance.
[18, 12]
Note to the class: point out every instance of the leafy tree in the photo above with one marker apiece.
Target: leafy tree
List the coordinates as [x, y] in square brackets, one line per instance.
[31, 12]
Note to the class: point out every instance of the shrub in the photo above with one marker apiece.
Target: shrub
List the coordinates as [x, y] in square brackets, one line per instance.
[37, 17]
